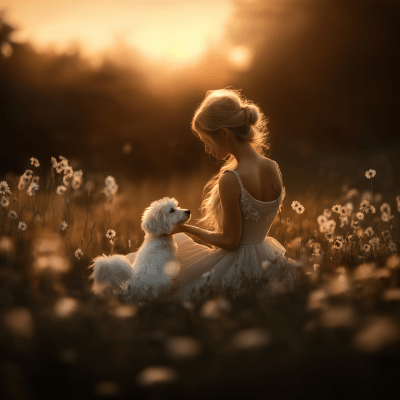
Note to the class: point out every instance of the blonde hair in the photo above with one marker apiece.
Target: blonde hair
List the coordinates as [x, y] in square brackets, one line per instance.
[226, 108]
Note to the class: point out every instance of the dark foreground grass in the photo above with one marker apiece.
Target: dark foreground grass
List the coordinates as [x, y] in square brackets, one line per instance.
[336, 334]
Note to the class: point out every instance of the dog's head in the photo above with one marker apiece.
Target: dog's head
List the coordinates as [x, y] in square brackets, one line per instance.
[162, 216]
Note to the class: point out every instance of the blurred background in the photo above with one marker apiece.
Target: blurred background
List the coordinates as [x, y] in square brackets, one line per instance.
[113, 85]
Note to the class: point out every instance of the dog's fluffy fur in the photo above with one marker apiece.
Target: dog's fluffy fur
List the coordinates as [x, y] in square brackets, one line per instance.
[152, 269]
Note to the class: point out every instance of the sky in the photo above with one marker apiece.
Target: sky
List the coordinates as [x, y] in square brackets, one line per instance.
[171, 31]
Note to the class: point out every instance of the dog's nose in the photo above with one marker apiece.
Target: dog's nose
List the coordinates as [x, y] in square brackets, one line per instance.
[187, 212]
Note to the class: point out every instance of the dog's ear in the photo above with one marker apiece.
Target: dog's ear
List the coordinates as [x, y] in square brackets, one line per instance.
[155, 223]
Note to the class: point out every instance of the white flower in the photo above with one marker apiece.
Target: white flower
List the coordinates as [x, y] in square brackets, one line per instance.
[4, 201]
[53, 162]
[327, 213]
[33, 187]
[12, 214]
[76, 183]
[79, 254]
[63, 226]
[370, 173]
[385, 217]
[22, 226]
[360, 216]
[385, 208]
[374, 241]
[299, 209]
[4, 189]
[322, 219]
[61, 190]
[364, 206]
[35, 162]
[336, 208]
[392, 246]
[66, 179]
[68, 171]
[316, 267]
[78, 174]
[110, 234]
[372, 209]
[366, 248]
[369, 231]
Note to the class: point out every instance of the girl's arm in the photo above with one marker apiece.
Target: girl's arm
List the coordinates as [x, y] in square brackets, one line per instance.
[229, 238]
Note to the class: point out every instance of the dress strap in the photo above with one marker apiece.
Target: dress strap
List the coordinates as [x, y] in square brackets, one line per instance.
[238, 178]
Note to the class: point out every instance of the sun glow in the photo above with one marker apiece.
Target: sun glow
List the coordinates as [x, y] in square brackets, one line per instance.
[164, 31]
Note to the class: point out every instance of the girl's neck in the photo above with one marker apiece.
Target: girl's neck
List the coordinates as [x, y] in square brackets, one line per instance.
[243, 151]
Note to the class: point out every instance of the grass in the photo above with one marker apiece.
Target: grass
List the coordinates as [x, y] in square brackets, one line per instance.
[337, 332]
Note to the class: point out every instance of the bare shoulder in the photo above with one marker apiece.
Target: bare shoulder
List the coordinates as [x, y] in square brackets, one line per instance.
[228, 183]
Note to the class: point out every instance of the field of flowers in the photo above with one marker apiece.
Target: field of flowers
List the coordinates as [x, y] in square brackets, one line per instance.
[337, 333]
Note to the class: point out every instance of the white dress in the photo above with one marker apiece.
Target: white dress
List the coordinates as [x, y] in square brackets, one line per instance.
[257, 254]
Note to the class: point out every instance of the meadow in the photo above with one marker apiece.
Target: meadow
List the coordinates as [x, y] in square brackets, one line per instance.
[337, 332]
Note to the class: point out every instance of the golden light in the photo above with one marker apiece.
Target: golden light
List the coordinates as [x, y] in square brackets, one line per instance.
[241, 57]
[162, 30]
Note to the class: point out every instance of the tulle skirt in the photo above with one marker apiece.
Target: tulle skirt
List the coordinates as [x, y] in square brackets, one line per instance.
[223, 270]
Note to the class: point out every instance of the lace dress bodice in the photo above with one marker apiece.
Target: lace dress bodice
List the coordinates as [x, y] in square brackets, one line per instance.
[257, 216]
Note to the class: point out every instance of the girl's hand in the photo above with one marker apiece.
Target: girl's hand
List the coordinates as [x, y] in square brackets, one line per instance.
[178, 229]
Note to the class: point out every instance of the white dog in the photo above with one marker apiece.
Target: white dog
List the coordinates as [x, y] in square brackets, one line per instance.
[150, 270]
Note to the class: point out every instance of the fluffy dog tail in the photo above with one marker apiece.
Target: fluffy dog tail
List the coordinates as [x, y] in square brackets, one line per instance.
[110, 272]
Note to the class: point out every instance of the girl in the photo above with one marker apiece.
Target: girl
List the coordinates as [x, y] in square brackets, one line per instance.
[241, 203]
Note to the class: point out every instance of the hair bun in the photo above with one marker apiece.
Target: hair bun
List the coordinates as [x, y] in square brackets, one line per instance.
[251, 114]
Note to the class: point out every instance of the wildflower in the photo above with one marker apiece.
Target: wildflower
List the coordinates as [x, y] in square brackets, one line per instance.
[35, 162]
[354, 224]
[331, 225]
[295, 204]
[321, 219]
[316, 267]
[4, 201]
[385, 234]
[360, 216]
[372, 209]
[392, 246]
[59, 167]
[351, 238]
[374, 242]
[349, 207]
[385, 217]
[300, 209]
[111, 187]
[79, 254]
[110, 234]
[385, 208]
[63, 226]
[369, 231]
[63, 158]
[343, 211]
[338, 245]
[370, 173]
[4, 189]
[22, 226]
[343, 221]
[66, 180]
[76, 183]
[53, 162]
[336, 208]
[33, 187]
[68, 171]
[329, 236]
[78, 174]
[364, 206]
[327, 213]
[12, 214]
[61, 190]
[366, 248]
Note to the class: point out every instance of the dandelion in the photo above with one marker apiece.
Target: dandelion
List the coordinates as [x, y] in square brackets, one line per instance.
[300, 209]
[295, 204]
[22, 226]
[4, 201]
[4, 189]
[79, 254]
[111, 188]
[12, 214]
[35, 162]
[322, 219]
[360, 216]
[61, 190]
[110, 234]
[63, 226]
[370, 173]
[337, 208]
[366, 248]
[339, 243]
[369, 231]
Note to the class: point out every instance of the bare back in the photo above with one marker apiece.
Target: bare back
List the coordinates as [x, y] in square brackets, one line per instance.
[261, 178]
